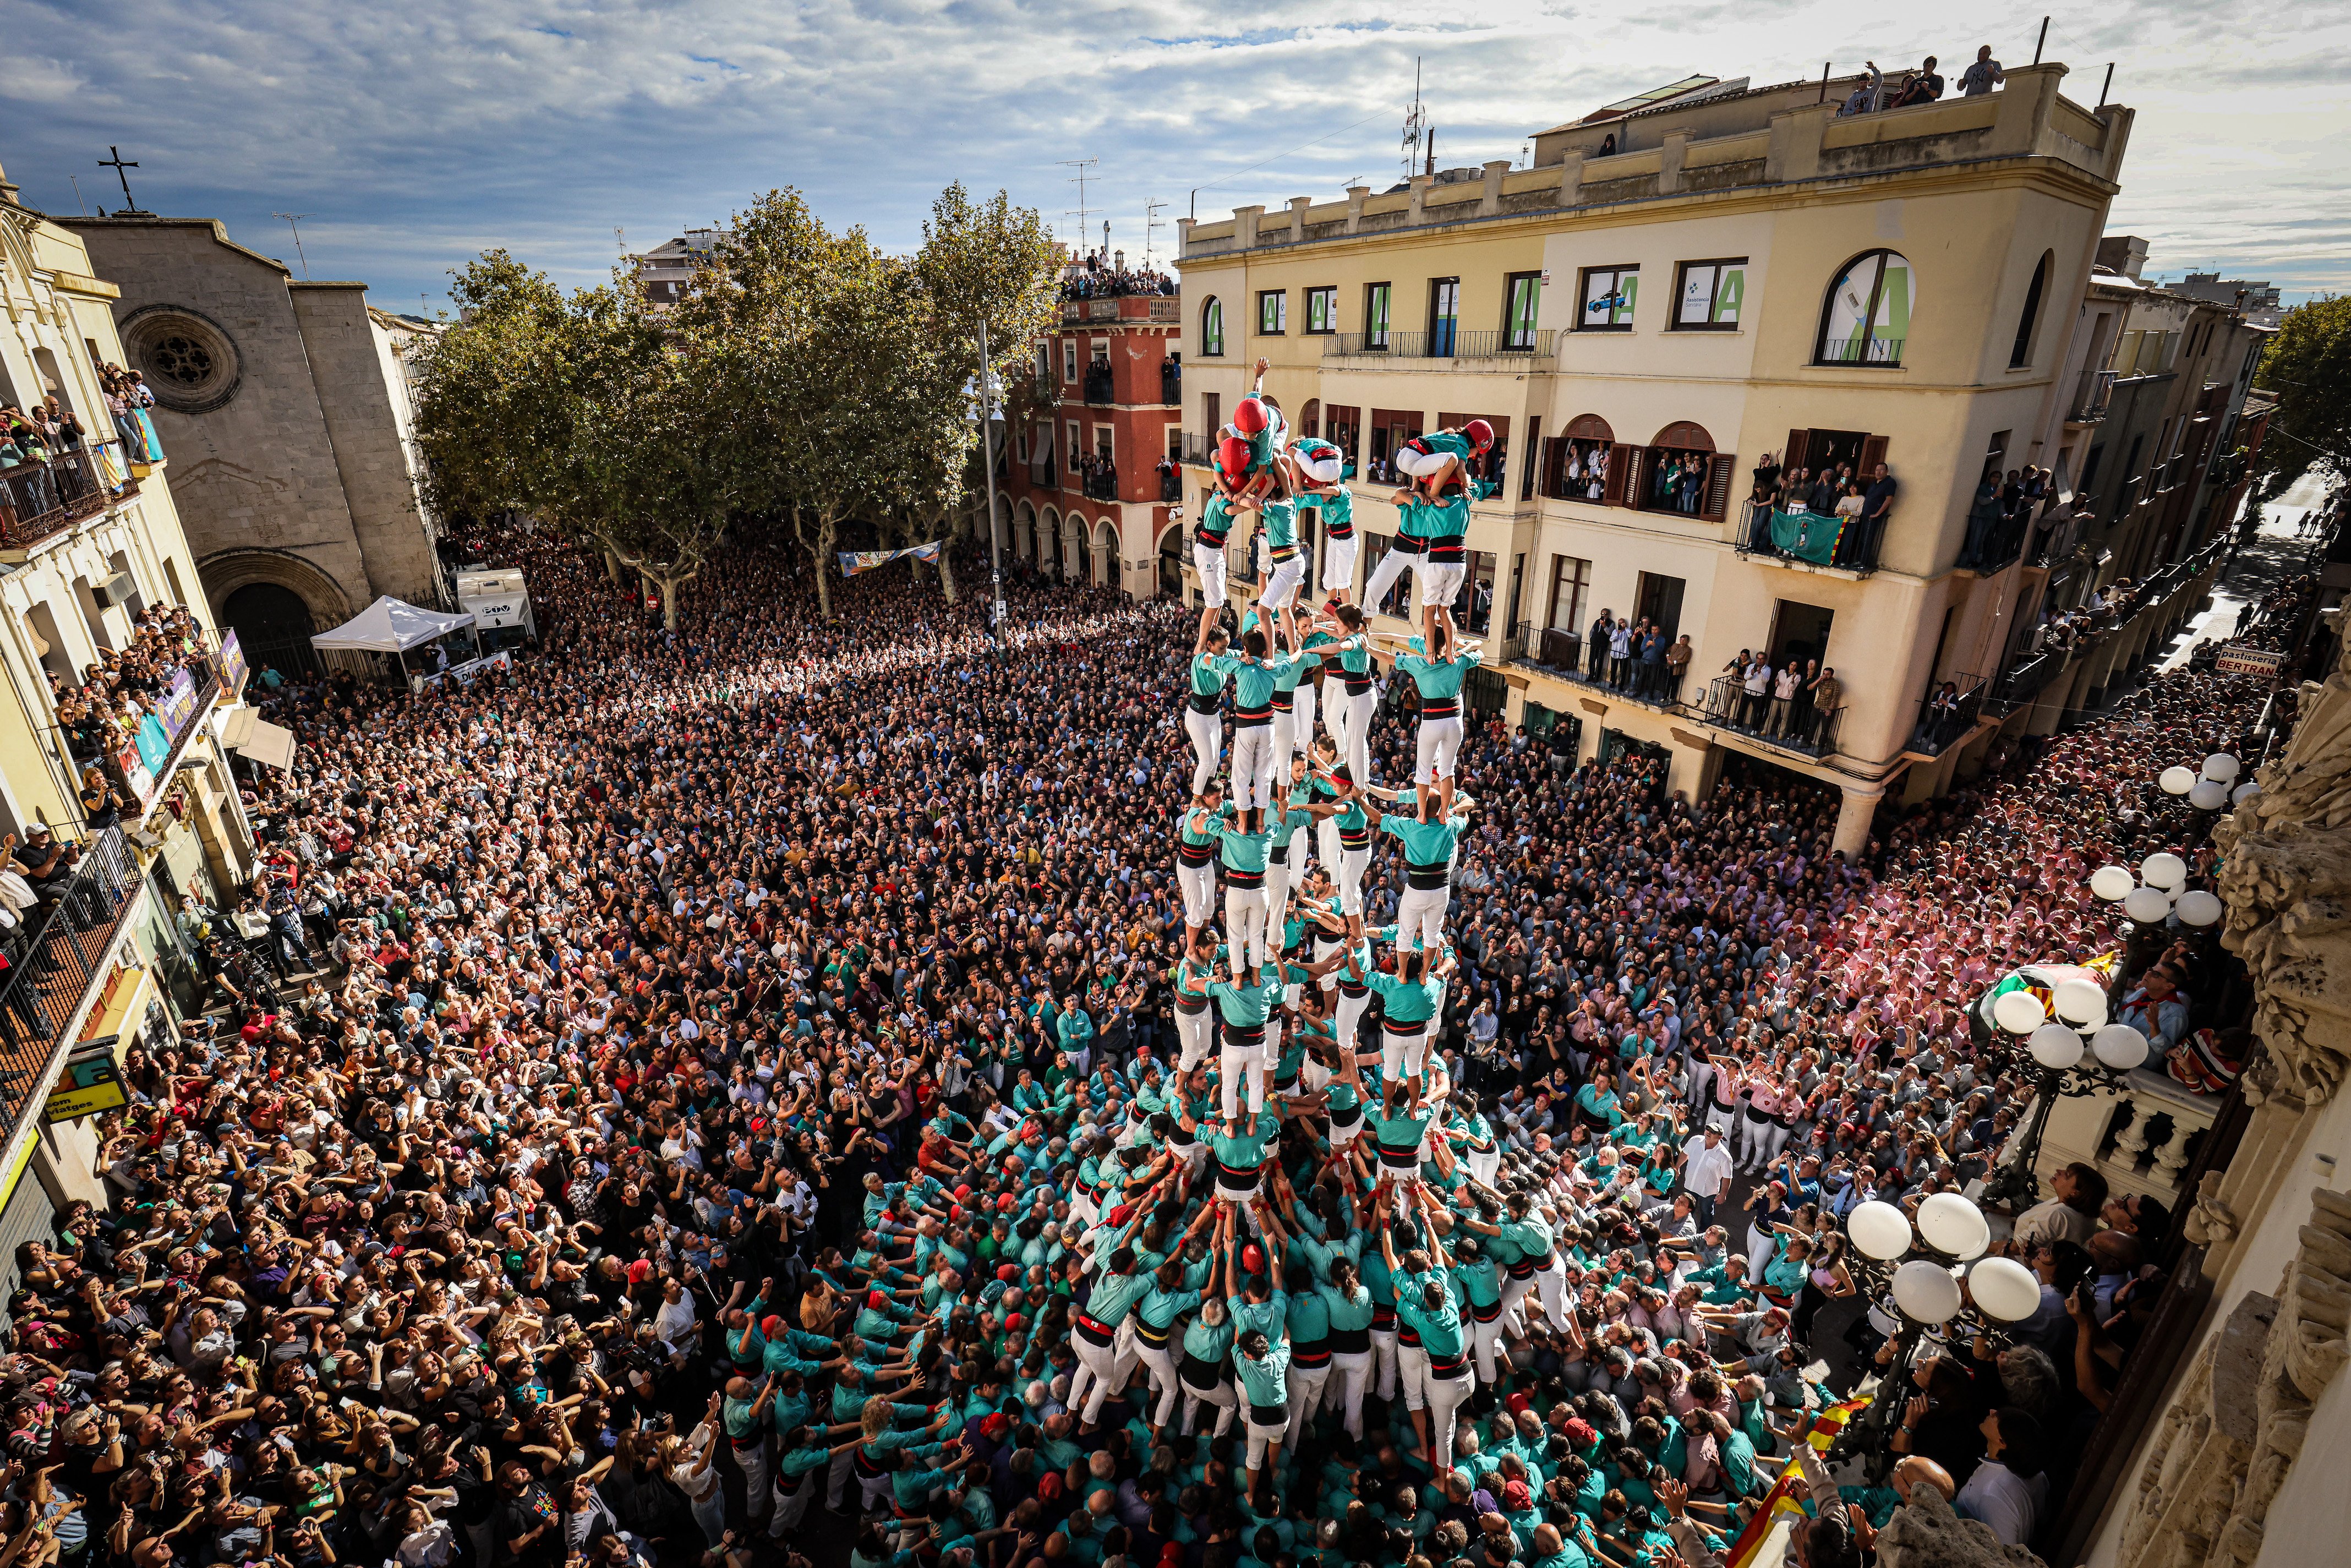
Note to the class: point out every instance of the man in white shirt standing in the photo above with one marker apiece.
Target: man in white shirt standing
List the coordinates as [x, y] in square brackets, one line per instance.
[1706, 1172]
[2002, 1490]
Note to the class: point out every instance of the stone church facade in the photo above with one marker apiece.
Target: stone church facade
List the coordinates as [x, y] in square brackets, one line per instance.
[284, 406]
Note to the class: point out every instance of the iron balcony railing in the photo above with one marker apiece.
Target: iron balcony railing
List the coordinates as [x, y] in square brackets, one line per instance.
[2095, 394]
[51, 970]
[1098, 385]
[1945, 718]
[1171, 381]
[1442, 344]
[1857, 548]
[38, 500]
[1884, 351]
[1198, 449]
[1791, 723]
[2025, 680]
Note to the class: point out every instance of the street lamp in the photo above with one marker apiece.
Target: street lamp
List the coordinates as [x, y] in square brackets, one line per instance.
[1919, 1271]
[2057, 1047]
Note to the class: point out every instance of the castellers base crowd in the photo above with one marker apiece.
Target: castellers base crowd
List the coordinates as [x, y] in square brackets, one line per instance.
[778, 1088]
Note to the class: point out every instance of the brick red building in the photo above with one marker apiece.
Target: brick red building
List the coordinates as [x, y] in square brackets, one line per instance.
[1111, 370]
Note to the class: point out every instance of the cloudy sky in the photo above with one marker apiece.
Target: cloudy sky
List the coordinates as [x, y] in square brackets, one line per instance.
[416, 132]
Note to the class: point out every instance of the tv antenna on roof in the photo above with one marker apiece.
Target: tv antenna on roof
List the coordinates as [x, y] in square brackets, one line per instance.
[1415, 121]
[294, 222]
[1080, 211]
[1151, 226]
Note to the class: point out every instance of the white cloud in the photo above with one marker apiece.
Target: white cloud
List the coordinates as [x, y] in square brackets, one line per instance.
[417, 131]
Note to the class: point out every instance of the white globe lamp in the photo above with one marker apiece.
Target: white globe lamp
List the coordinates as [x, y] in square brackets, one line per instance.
[1950, 1224]
[2019, 1012]
[2005, 1289]
[1879, 1229]
[2148, 906]
[2244, 792]
[2119, 1046]
[2164, 870]
[1927, 1291]
[2222, 768]
[2176, 781]
[2112, 883]
[2200, 908]
[2055, 1045]
[2082, 1002]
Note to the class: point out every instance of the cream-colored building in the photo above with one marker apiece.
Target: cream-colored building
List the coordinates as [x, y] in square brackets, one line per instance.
[1679, 291]
[87, 540]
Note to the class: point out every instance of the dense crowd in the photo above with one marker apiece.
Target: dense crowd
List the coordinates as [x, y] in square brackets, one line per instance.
[756, 1065]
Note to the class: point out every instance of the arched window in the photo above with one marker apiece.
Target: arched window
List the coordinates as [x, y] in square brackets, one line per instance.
[1679, 471]
[1309, 418]
[1212, 325]
[1579, 465]
[1867, 318]
[2022, 354]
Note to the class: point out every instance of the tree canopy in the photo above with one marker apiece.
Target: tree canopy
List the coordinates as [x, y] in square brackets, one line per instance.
[805, 378]
[2307, 367]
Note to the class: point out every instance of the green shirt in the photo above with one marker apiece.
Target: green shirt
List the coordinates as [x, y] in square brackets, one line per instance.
[1265, 1382]
[1437, 678]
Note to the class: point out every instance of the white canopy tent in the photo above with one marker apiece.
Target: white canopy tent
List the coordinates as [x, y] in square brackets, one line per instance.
[391, 626]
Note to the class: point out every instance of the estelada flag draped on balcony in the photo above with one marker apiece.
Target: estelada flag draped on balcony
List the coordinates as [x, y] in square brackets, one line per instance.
[1807, 535]
[1787, 1495]
[853, 561]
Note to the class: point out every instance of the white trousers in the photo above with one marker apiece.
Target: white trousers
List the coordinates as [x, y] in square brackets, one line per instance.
[1198, 883]
[1440, 743]
[1160, 1360]
[1383, 1361]
[1349, 721]
[1304, 701]
[1484, 1163]
[1097, 1377]
[1210, 563]
[1406, 1053]
[1392, 566]
[1222, 1396]
[1439, 584]
[1285, 745]
[1245, 920]
[756, 1494]
[1239, 1068]
[1350, 869]
[1443, 1397]
[1252, 766]
[1484, 1339]
[1351, 1374]
[787, 1510]
[1277, 897]
[1412, 1371]
[1208, 733]
[1549, 1286]
[1326, 850]
[1420, 918]
[1281, 586]
[1350, 1013]
[1260, 1440]
[1305, 1396]
[1198, 1033]
[1339, 563]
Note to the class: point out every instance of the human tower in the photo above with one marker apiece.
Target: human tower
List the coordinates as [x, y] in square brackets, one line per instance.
[1405, 1268]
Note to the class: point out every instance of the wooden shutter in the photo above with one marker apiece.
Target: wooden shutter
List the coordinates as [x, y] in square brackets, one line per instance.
[1536, 450]
[1554, 447]
[1872, 453]
[1717, 484]
[1792, 455]
[1621, 462]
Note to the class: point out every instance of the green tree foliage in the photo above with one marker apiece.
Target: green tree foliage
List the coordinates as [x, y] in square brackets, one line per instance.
[2307, 367]
[805, 379]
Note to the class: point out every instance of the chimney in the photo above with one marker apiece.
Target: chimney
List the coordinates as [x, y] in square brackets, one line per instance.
[2125, 254]
[8, 191]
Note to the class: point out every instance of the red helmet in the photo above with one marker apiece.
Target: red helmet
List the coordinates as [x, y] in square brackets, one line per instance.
[1480, 434]
[1253, 1259]
[1233, 458]
[1250, 417]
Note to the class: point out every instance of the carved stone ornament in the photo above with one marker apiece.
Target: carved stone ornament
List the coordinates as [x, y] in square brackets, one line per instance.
[1926, 1534]
[2237, 1425]
[2286, 884]
[2211, 1222]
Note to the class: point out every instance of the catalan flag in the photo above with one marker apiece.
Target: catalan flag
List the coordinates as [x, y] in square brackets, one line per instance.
[1787, 1495]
